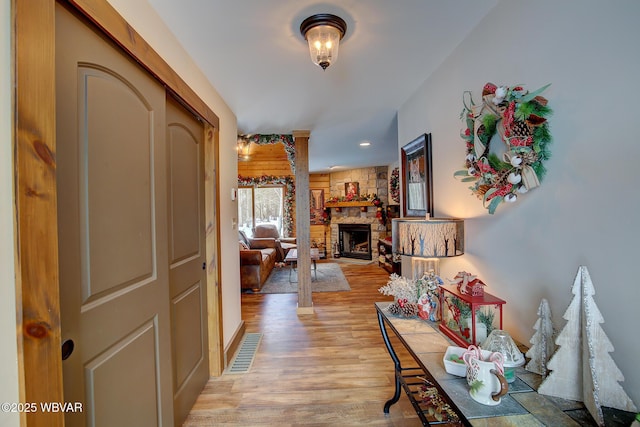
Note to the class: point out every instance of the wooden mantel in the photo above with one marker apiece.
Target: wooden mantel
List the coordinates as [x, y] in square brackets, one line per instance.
[355, 204]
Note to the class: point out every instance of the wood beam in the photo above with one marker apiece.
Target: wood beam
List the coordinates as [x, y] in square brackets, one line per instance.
[303, 222]
[39, 357]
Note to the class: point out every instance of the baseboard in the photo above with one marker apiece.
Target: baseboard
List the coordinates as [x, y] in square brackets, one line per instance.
[234, 344]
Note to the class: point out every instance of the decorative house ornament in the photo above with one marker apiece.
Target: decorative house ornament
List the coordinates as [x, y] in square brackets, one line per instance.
[581, 368]
[465, 281]
[518, 117]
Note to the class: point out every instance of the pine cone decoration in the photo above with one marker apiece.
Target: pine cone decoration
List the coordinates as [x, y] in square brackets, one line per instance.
[482, 189]
[501, 179]
[520, 129]
[409, 309]
[394, 308]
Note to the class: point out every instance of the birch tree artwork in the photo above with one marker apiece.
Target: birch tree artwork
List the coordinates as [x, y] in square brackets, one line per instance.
[542, 341]
[582, 368]
[439, 239]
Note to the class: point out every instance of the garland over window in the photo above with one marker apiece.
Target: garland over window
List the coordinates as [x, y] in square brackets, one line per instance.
[519, 118]
[287, 140]
[289, 195]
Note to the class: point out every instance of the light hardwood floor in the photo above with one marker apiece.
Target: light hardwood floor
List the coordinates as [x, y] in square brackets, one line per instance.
[326, 369]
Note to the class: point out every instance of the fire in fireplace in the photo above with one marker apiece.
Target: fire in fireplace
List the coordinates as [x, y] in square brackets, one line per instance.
[354, 240]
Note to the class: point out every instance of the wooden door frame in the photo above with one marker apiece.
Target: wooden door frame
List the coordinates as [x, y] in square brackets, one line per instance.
[36, 219]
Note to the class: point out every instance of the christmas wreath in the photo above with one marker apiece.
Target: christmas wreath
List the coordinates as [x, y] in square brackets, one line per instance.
[519, 118]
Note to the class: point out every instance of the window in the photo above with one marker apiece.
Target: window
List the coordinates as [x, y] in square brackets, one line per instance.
[260, 205]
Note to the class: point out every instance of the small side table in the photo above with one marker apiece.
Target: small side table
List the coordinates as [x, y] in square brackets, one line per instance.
[292, 258]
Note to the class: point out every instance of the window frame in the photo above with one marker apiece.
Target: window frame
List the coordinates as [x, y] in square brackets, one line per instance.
[283, 189]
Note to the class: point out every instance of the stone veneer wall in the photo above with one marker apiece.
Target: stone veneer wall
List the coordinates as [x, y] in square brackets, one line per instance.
[371, 180]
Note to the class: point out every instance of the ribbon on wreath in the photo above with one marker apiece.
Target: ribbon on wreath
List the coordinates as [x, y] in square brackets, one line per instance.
[528, 174]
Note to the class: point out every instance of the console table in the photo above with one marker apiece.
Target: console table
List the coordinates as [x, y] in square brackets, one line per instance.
[441, 398]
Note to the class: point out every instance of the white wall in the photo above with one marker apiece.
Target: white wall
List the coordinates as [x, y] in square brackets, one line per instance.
[585, 211]
[143, 18]
[8, 355]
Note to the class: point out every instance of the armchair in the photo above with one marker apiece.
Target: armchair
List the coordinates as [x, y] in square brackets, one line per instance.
[285, 244]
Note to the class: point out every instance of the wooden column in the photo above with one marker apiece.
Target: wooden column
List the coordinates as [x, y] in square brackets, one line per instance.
[39, 336]
[303, 222]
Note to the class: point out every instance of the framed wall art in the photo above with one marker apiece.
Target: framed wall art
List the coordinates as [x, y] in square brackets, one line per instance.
[417, 182]
[352, 190]
[316, 206]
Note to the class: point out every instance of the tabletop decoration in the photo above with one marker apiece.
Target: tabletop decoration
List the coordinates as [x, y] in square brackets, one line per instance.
[414, 297]
[519, 118]
[440, 410]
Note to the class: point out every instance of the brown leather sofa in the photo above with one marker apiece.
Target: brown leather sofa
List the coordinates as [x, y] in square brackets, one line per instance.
[257, 258]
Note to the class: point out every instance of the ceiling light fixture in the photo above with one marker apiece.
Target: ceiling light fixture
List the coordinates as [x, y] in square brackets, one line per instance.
[244, 149]
[323, 32]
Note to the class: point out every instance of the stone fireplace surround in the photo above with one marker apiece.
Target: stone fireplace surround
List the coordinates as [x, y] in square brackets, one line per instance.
[371, 180]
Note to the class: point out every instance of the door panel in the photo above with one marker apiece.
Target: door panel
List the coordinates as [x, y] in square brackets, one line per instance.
[112, 187]
[116, 200]
[125, 362]
[187, 276]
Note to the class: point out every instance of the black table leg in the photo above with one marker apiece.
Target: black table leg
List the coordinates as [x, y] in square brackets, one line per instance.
[396, 362]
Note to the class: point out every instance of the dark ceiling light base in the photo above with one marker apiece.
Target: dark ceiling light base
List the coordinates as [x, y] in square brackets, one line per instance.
[323, 19]
[323, 33]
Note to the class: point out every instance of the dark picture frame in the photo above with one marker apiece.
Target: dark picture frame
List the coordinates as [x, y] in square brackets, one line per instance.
[417, 180]
[316, 206]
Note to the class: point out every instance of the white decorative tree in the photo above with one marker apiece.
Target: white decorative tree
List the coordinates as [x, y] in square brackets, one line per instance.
[542, 341]
[565, 380]
[582, 368]
[600, 372]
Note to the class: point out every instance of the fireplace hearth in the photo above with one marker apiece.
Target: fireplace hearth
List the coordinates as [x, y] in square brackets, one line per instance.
[354, 241]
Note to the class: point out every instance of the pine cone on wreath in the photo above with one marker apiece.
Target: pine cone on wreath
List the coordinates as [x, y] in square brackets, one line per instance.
[482, 189]
[501, 179]
[520, 129]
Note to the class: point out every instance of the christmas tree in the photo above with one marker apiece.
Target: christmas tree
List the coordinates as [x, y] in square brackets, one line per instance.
[582, 368]
[542, 342]
[565, 379]
[597, 362]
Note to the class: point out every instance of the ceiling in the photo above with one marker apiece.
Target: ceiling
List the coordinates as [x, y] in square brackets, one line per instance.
[254, 55]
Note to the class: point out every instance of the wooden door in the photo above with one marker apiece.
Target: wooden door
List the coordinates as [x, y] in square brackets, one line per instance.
[113, 232]
[187, 261]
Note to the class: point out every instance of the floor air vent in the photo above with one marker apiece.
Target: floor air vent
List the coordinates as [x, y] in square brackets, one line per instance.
[245, 355]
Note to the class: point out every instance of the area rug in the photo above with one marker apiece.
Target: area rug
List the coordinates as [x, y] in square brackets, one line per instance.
[329, 279]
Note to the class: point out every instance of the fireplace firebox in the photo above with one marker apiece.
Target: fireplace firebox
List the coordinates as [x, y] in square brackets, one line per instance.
[354, 240]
